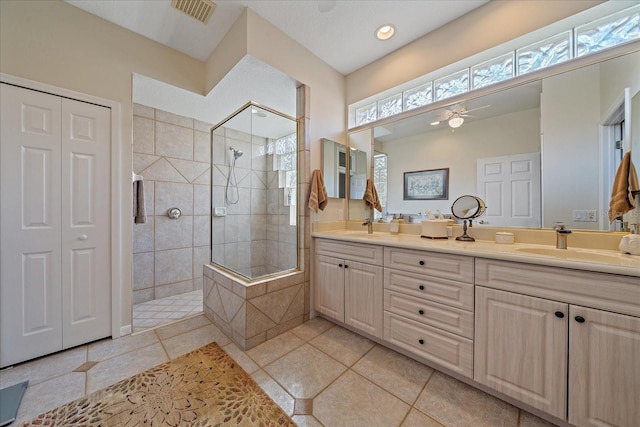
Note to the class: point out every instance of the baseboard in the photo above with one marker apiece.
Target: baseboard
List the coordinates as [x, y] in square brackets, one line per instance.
[125, 330]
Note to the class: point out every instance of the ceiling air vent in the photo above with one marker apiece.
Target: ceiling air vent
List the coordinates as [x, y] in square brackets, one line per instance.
[198, 9]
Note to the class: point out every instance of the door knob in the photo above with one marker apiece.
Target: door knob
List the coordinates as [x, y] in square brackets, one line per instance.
[83, 237]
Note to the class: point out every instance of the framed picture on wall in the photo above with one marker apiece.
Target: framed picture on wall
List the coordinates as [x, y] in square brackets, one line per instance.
[430, 184]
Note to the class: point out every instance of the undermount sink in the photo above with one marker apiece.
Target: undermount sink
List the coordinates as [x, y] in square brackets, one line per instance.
[571, 254]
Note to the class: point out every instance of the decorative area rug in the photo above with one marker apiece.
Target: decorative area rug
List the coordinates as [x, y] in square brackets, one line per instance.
[202, 388]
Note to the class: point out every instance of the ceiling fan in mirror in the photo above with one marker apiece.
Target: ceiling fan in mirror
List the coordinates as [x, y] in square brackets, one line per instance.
[456, 115]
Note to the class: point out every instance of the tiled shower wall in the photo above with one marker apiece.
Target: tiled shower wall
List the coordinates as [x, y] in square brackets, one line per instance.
[173, 155]
[254, 238]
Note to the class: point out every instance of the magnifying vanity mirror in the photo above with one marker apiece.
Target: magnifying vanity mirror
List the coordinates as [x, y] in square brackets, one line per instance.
[467, 208]
[539, 150]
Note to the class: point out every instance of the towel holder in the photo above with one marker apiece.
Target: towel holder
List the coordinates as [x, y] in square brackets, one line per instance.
[135, 177]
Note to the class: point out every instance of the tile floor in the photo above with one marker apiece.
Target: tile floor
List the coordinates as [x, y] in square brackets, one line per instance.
[319, 373]
[163, 311]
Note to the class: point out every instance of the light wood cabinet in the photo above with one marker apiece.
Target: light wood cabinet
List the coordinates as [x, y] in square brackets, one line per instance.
[558, 357]
[329, 287]
[347, 289]
[428, 303]
[604, 368]
[521, 348]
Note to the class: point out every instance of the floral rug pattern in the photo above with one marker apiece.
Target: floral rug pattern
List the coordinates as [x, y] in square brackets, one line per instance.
[202, 388]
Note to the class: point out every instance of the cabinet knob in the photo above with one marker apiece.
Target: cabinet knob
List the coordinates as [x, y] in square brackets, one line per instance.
[421, 312]
[579, 319]
[340, 265]
[346, 266]
[559, 314]
[421, 341]
[421, 263]
[421, 287]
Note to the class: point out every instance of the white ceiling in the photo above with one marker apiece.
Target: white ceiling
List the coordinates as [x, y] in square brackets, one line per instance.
[340, 32]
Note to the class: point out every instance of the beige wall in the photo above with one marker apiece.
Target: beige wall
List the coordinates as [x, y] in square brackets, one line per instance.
[58, 44]
[485, 27]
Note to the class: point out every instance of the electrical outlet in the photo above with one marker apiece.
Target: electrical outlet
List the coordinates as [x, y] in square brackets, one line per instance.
[585, 215]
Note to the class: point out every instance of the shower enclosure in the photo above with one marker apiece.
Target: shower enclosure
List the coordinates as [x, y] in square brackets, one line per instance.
[254, 192]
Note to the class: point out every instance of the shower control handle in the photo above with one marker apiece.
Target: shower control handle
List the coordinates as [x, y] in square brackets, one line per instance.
[174, 213]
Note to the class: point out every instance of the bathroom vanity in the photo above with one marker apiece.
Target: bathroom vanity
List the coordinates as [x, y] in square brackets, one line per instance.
[558, 332]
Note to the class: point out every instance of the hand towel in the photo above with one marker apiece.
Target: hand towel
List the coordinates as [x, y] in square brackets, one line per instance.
[139, 210]
[318, 198]
[626, 180]
[371, 196]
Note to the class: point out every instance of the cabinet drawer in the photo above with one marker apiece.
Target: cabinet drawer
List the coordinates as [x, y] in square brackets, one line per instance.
[449, 292]
[369, 254]
[453, 267]
[611, 292]
[446, 349]
[430, 313]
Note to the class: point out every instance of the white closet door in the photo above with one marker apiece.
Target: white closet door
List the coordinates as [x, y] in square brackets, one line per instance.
[55, 277]
[30, 246]
[86, 275]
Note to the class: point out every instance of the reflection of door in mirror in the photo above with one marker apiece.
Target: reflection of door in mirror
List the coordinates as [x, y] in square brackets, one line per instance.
[357, 174]
[510, 185]
[334, 168]
[380, 180]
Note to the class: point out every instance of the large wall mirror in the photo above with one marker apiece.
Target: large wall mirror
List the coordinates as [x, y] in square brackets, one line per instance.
[540, 152]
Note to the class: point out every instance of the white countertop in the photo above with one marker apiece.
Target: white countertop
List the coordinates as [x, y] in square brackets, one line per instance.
[604, 261]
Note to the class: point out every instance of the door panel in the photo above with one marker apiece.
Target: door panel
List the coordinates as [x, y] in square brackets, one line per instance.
[510, 187]
[521, 348]
[30, 274]
[329, 284]
[604, 373]
[363, 297]
[85, 222]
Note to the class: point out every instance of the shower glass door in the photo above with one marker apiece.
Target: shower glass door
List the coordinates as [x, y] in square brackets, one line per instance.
[254, 229]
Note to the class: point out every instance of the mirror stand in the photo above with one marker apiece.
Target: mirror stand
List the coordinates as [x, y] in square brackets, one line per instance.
[465, 237]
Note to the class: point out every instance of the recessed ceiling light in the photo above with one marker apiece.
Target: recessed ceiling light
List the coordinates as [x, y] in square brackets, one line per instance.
[385, 32]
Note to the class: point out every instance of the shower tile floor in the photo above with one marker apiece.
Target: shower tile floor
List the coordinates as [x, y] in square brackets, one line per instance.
[163, 311]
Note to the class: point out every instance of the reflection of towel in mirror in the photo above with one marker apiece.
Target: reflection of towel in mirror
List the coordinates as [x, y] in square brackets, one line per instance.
[139, 211]
[626, 180]
[371, 196]
[318, 198]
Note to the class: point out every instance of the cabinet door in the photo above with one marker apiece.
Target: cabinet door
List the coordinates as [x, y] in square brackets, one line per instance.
[521, 348]
[604, 373]
[363, 297]
[329, 287]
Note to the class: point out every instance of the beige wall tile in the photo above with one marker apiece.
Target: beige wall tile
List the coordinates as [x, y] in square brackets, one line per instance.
[275, 304]
[189, 169]
[201, 256]
[166, 117]
[169, 195]
[162, 170]
[143, 236]
[202, 126]
[142, 270]
[173, 266]
[284, 326]
[143, 135]
[163, 291]
[174, 141]
[143, 111]
[142, 295]
[173, 234]
[202, 199]
[201, 147]
[231, 303]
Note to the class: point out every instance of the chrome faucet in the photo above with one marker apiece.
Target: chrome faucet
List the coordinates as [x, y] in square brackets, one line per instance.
[369, 221]
[561, 236]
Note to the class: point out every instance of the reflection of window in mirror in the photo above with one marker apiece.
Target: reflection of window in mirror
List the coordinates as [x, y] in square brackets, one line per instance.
[380, 179]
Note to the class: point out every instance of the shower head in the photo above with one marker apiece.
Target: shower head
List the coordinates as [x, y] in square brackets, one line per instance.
[236, 153]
